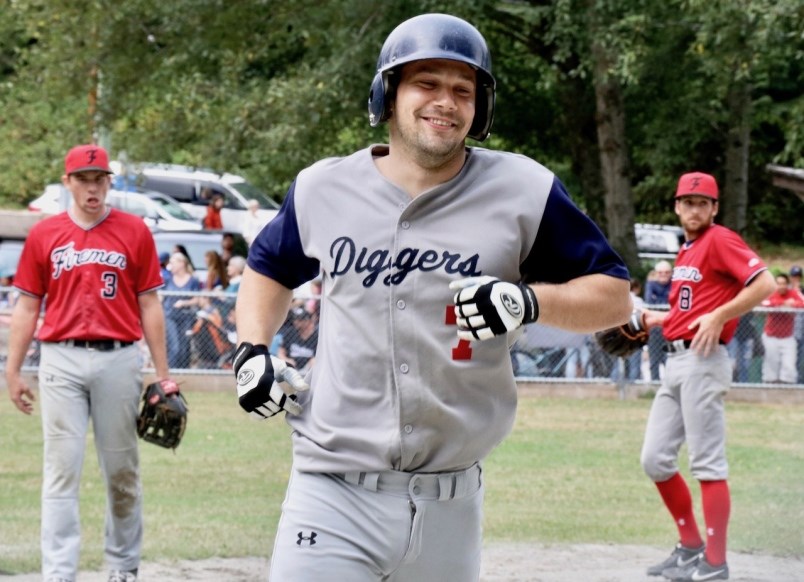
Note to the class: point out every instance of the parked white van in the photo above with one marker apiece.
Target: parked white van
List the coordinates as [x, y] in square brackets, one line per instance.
[192, 188]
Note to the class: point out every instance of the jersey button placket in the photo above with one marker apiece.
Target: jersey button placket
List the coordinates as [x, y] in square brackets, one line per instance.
[402, 316]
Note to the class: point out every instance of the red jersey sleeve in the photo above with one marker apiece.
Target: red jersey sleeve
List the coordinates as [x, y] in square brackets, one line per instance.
[33, 271]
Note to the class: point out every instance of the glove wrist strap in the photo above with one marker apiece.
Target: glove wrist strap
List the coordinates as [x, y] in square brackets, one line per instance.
[531, 304]
[245, 351]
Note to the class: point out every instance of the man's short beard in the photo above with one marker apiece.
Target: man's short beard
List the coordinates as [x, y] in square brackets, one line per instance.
[429, 155]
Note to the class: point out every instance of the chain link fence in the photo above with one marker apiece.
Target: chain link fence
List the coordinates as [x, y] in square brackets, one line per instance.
[767, 350]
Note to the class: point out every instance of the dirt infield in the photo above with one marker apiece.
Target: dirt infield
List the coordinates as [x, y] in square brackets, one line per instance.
[502, 562]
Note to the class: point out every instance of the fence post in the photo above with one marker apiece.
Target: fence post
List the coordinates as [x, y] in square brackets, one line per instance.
[621, 379]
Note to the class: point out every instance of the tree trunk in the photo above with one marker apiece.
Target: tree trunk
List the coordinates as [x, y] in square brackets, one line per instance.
[614, 161]
[734, 205]
[577, 115]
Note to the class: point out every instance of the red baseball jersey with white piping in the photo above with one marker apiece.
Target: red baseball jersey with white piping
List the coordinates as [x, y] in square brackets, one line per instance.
[709, 271]
[89, 277]
[782, 324]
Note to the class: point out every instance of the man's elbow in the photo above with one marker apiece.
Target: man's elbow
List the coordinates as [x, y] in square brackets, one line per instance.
[623, 303]
[766, 283]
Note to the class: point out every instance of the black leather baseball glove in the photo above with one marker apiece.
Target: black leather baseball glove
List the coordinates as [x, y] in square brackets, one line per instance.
[624, 340]
[163, 416]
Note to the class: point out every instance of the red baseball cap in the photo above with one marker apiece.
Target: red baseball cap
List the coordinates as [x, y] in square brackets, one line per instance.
[83, 158]
[697, 184]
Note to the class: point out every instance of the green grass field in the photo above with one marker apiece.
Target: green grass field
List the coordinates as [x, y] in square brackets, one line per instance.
[568, 473]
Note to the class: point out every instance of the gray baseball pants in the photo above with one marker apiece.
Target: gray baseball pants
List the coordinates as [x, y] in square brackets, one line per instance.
[76, 385]
[689, 406]
[380, 527]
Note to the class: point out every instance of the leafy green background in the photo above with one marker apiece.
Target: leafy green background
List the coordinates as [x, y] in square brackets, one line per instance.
[263, 88]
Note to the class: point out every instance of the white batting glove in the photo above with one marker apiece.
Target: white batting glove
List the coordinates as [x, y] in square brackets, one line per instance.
[266, 385]
[486, 307]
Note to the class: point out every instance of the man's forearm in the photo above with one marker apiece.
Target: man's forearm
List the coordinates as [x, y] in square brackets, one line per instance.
[586, 304]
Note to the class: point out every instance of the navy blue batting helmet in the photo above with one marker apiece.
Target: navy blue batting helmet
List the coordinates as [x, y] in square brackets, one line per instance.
[434, 36]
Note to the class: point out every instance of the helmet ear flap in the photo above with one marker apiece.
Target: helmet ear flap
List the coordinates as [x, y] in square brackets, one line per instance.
[376, 101]
[484, 111]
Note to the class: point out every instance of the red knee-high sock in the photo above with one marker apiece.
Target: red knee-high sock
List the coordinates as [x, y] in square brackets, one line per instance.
[676, 496]
[716, 501]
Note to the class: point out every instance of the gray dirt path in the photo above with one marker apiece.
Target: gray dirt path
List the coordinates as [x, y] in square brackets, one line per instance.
[502, 562]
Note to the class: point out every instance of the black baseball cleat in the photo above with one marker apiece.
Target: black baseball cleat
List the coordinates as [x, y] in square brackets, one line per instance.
[701, 572]
[681, 557]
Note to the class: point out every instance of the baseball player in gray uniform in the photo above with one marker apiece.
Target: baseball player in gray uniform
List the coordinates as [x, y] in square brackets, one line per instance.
[424, 245]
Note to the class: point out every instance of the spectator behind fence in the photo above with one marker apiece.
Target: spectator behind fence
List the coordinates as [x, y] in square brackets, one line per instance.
[779, 365]
[217, 277]
[213, 220]
[227, 247]
[179, 311]
[657, 291]
[299, 344]
[213, 336]
[744, 347]
[313, 303]
[234, 269]
[7, 297]
[253, 223]
[795, 283]
[164, 258]
[179, 248]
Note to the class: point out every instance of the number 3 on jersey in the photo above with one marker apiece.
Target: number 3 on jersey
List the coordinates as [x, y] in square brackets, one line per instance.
[463, 351]
[109, 290]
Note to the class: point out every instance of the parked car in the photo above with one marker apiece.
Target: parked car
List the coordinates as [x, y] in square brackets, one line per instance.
[658, 241]
[160, 212]
[53, 200]
[10, 251]
[193, 187]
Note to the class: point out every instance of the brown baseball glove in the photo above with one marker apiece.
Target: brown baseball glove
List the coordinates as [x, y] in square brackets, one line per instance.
[163, 416]
[624, 340]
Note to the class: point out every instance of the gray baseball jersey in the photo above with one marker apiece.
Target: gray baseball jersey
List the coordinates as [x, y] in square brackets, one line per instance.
[392, 386]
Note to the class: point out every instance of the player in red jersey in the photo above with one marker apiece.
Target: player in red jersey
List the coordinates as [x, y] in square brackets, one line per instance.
[716, 278]
[98, 269]
[778, 336]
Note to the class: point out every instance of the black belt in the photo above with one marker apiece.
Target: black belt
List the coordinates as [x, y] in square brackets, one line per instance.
[99, 345]
[678, 345]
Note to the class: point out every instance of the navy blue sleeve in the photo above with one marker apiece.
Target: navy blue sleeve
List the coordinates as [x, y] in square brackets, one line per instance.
[277, 251]
[569, 245]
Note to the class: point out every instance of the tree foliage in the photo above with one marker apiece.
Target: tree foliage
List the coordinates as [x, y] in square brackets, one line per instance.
[264, 88]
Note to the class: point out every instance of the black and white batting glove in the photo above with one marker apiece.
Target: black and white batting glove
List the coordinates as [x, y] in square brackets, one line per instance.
[486, 307]
[266, 385]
